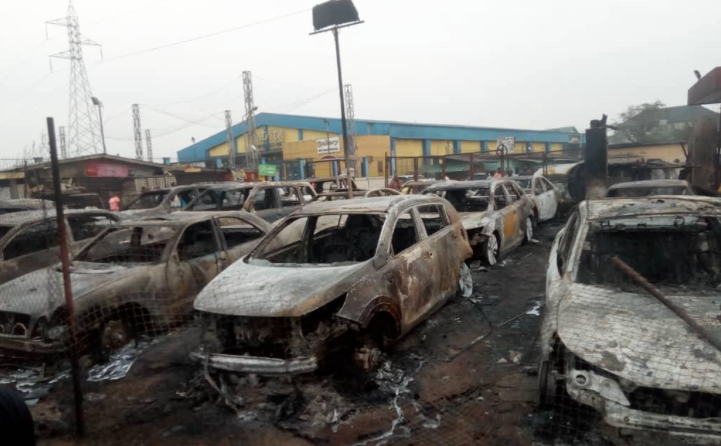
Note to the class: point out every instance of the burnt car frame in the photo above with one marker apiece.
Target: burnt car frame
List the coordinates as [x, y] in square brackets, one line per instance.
[29, 240]
[138, 276]
[356, 276]
[496, 213]
[545, 195]
[270, 200]
[647, 188]
[609, 344]
[163, 201]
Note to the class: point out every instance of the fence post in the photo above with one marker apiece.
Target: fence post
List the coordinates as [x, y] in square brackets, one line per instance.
[471, 170]
[415, 169]
[385, 171]
[67, 286]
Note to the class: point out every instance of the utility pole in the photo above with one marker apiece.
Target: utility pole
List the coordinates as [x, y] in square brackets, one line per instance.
[231, 140]
[149, 145]
[63, 146]
[138, 133]
[350, 112]
[84, 128]
[251, 155]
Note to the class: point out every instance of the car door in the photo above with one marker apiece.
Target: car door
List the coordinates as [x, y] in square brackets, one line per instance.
[239, 237]
[443, 240]
[33, 247]
[412, 268]
[509, 218]
[195, 262]
[265, 203]
[551, 195]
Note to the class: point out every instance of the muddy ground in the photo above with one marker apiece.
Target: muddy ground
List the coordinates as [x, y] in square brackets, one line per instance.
[465, 376]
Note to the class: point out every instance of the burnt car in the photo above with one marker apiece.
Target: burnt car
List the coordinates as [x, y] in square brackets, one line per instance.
[353, 275]
[496, 213]
[331, 184]
[163, 201]
[647, 188]
[413, 187]
[24, 204]
[270, 201]
[545, 195]
[138, 276]
[609, 344]
[29, 240]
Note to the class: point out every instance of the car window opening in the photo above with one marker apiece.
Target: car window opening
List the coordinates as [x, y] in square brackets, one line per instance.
[327, 239]
[684, 251]
[465, 200]
[139, 244]
[148, 200]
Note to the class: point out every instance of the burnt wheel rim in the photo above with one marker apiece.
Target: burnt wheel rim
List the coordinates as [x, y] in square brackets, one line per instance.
[529, 229]
[465, 281]
[492, 250]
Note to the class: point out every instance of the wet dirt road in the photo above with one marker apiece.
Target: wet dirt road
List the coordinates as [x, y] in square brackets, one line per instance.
[465, 376]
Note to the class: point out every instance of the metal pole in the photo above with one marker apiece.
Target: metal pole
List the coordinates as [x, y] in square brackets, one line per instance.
[342, 114]
[102, 129]
[67, 285]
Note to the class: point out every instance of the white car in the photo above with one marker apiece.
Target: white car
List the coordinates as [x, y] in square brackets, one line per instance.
[609, 344]
[544, 194]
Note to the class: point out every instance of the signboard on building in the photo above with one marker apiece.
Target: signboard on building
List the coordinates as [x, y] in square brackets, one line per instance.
[506, 145]
[267, 170]
[328, 145]
[105, 170]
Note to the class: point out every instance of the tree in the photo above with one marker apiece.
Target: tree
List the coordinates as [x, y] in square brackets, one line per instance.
[637, 122]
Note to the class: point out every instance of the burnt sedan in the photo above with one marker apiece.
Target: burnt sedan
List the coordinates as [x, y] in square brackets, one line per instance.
[353, 275]
[648, 188]
[637, 346]
[139, 276]
[496, 213]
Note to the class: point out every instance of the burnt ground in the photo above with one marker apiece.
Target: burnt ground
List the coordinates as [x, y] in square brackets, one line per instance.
[464, 376]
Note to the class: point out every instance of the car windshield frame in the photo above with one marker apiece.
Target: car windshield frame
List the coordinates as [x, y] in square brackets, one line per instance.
[170, 243]
[131, 206]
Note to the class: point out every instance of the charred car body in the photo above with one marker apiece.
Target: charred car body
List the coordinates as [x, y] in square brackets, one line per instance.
[544, 194]
[270, 201]
[355, 274]
[647, 188]
[497, 214]
[611, 345]
[137, 276]
[163, 201]
[29, 240]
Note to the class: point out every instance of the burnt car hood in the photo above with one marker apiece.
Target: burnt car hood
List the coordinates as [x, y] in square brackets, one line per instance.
[636, 337]
[474, 220]
[245, 289]
[41, 292]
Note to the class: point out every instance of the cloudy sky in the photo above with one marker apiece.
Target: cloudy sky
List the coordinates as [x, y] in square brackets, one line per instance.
[513, 63]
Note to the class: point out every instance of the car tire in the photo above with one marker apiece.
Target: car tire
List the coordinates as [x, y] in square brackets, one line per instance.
[490, 250]
[528, 233]
[16, 421]
[465, 281]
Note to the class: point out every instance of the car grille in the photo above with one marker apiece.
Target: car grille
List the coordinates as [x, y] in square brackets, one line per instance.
[677, 403]
[14, 325]
[258, 336]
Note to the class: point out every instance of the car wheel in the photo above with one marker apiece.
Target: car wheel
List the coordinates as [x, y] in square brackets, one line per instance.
[114, 335]
[490, 250]
[547, 387]
[465, 281]
[528, 235]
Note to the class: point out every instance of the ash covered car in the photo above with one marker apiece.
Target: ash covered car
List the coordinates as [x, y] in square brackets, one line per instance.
[163, 201]
[647, 188]
[138, 276]
[347, 276]
[496, 213]
[24, 204]
[270, 201]
[609, 343]
[544, 194]
[29, 240]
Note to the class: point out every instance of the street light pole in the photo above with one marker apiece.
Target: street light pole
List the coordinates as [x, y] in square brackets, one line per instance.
[346, 152]
[99, 104]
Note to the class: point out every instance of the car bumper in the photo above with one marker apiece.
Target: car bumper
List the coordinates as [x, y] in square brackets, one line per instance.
[639, 423]
[20, 347]
[256, 364]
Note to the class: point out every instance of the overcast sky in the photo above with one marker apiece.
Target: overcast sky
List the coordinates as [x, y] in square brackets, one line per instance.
[513, 63]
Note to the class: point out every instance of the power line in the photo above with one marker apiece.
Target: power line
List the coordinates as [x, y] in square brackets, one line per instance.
[205, 36]
[236, 79]
[196, 122]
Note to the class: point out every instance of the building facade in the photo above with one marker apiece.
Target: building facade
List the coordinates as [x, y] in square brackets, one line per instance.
[293, 141]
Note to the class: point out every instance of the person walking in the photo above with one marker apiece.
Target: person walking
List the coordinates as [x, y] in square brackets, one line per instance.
[114, 202]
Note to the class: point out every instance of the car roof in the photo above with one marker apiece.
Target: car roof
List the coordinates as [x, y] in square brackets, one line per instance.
[450, 185]
[601, 208]
[231, 186]
[649, 184]
[17, 218]
[321, 179]
[521, 177]
[371, 205]
[186, 218]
